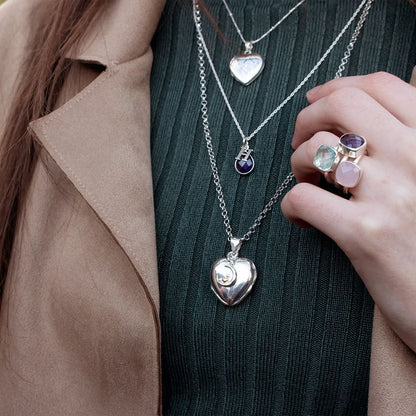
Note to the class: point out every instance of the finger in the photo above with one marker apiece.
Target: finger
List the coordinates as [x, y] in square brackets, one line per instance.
[329, 213]
[302, 158]
[349, 110]
[374, 176]
[395, 95]
[378, 179]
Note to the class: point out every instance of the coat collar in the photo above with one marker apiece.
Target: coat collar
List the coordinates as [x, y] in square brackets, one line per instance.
[100, 138]
[122, 32]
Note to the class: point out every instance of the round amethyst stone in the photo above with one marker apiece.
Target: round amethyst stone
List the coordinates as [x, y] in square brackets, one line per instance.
[352, 141]
[244, 167]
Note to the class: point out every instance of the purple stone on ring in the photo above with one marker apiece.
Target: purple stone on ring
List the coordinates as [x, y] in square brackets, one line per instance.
[352, 141]
[244, 167]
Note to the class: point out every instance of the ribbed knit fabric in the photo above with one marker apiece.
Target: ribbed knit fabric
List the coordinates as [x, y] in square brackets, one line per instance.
[300, 343]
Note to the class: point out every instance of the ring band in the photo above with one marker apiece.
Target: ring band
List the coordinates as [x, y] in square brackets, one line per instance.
[340, 164]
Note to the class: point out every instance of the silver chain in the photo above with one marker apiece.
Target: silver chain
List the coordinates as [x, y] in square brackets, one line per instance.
[253, 42]
[202, 51]
[354, 38]
[248, 137]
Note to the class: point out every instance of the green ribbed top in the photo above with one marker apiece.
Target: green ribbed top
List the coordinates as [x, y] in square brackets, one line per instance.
[300, 343]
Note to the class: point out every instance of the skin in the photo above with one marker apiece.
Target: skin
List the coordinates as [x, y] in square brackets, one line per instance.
[376, 227]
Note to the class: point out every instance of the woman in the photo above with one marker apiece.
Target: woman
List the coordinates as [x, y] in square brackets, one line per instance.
[80, 323]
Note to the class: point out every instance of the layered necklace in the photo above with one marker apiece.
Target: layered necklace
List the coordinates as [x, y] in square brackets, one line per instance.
[232, 277]
[247, 66]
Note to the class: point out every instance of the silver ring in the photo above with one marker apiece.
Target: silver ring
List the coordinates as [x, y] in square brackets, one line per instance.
[340, 164]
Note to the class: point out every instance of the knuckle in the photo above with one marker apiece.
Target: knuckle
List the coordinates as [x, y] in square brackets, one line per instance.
[295, 198]
[312, 145]
[369, 226]
[320, 137]
[293, 159]
[404, 201]
[367, 231]
[371, 232]
[311, 148]
[379, 79]
[344, 97]
[301, 118]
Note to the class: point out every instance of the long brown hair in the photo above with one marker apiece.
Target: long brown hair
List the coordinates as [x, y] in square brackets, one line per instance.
[36, 94]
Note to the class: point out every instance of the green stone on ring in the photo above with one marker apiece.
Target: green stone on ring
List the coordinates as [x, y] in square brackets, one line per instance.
[324, 158]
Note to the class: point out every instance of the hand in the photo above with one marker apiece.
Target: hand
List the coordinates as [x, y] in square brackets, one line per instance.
[376, 227]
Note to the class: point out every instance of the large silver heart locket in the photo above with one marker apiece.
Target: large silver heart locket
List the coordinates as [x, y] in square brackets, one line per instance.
[232, 278]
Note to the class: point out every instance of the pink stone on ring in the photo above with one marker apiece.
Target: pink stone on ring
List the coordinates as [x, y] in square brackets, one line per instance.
[348, 174]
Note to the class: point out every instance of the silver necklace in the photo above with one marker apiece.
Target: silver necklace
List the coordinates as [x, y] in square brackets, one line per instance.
[247, 66]
[244, 161]
[232, 277]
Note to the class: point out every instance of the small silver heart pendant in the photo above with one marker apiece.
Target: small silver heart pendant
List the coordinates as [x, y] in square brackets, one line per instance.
[245, 68]
[232, 278]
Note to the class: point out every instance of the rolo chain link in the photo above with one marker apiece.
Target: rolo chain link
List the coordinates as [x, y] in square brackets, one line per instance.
[354, 38]
[202, 51]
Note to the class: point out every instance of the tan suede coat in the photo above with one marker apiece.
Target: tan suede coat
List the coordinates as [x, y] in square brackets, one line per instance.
[80, 333]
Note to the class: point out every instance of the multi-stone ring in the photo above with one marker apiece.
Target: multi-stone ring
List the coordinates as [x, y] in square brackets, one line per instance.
[339, 164]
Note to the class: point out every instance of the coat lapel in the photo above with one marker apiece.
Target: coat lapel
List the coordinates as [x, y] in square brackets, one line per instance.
[100, 138]
[392, 373]
[122, 32]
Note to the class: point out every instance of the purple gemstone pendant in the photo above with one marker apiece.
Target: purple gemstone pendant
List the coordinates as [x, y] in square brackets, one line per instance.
[244, 162]
[244, 167]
